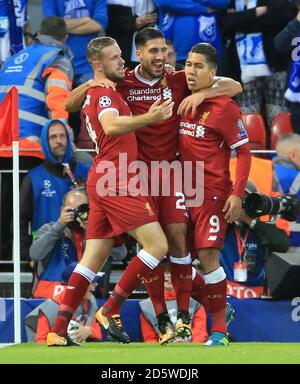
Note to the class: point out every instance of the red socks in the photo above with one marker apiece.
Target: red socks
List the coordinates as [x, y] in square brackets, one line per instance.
[199, 292]
[134, 274]
[216, 287]
[154, 283]
[75, 291]
[181, 275]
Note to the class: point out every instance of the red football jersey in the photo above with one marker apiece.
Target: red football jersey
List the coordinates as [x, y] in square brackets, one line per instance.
[159, 141]
[216, 130]
[98, 101]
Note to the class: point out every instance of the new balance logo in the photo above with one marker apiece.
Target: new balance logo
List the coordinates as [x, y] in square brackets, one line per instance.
[212, 238]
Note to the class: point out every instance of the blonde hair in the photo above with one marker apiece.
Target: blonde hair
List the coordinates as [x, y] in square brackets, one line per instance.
[96, 46]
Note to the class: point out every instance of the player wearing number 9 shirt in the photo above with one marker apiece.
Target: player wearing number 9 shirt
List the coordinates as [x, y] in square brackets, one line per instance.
[210, 137]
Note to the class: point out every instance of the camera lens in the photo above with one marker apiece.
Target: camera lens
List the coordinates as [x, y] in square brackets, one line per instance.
[257, 205]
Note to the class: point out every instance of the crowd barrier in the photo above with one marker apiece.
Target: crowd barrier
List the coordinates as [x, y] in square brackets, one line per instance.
[256, 320]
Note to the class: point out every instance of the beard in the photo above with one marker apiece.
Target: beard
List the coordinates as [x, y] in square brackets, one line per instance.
[149, 69]
[59, 153]
[114, 76]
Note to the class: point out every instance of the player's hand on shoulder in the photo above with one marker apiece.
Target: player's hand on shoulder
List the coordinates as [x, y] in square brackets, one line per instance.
[161, 111]
[105, 83]
[190, 104]
[233, 208]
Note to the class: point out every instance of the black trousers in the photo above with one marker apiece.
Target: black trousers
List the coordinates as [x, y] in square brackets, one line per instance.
[295, 117]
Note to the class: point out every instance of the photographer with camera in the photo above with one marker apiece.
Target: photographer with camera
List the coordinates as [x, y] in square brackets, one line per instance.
[58, 244]
[248, 242]
[83, 326]
[43, 188]
[287, 170]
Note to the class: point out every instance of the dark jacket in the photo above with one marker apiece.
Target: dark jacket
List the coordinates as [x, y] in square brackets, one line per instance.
[283, 43]
[121, 26]
[279, 13]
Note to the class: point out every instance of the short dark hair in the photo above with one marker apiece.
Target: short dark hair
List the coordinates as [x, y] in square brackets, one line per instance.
[169, 42]
[208, 51]
[146, 34]
[55, 27]
[96, 45]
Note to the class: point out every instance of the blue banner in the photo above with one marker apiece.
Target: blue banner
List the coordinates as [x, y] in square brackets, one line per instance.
[255, 320]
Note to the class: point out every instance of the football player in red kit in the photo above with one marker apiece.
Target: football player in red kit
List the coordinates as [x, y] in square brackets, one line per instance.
[112, 211]
[209, 137]
[142, 86]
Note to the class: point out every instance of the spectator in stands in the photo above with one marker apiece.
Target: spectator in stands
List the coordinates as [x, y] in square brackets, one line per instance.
[82, 327]
[43, 74]
[172, 56]
[43, 189]
[14, 28]
[284, 44]
[249, 28]
[85, 19]
[125, 17]
[149, 327]
[57, 244]
[247, 244]
[188, 22]
[287, 170]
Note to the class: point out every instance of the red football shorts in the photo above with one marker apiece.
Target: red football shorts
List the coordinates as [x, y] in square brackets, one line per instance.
[110, 216]
[209, 224]
[170, 208]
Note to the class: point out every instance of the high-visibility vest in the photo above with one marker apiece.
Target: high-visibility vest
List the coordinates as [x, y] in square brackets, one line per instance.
[24, 70]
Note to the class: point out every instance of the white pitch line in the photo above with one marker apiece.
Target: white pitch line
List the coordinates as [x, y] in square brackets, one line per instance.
[6, 345]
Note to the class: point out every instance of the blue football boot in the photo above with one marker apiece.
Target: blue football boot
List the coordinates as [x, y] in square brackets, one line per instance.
[217, 339]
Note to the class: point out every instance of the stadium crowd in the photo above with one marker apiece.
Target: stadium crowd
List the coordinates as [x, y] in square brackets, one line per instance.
[107, 75]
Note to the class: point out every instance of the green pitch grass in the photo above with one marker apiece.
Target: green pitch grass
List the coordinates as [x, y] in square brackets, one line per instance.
[138, 353]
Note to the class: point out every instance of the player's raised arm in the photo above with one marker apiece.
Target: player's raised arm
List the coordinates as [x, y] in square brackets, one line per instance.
[233, 205]
[76, 98]
[114, 125]
[222, 86]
